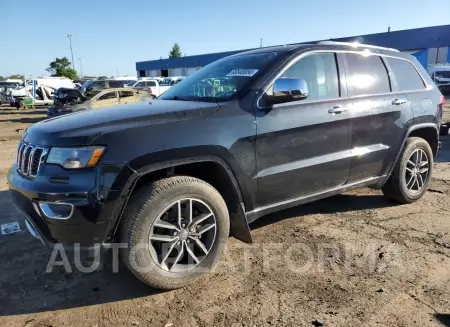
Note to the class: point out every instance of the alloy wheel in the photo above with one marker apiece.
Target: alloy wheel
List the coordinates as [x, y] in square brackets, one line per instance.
[417, 171]
[182, 235]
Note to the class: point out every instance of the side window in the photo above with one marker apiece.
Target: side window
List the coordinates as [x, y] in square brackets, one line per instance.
[320, 73]
[107, 96]
[367, 74]
[406, 75]
[151, 83]
[125, 94]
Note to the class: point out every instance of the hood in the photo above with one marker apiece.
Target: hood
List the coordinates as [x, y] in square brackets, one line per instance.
[82, 128]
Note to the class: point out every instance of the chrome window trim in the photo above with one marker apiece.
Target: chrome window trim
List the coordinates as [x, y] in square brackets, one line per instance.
[272, 79]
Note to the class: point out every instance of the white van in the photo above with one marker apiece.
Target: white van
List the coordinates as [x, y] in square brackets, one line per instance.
[45, 87]
[50, 82]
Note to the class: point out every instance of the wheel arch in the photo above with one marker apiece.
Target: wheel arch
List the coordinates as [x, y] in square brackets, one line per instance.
[212, 169]
[428, 131]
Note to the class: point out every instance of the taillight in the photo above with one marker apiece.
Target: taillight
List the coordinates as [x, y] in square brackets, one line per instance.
[442, 100]
[150, 91]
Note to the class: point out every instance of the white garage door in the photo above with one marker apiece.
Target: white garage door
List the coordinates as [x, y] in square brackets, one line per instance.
[191, 70]
[176, 72]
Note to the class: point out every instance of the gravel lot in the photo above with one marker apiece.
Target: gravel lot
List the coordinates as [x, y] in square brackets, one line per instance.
[351, 260]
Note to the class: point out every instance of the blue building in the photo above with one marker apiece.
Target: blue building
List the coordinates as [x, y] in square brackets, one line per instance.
[430, 45]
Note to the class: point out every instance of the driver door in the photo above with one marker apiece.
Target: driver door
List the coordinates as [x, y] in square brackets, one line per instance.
[303, 147]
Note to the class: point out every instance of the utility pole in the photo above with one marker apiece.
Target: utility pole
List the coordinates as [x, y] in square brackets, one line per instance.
[81, 68]
[69, 36]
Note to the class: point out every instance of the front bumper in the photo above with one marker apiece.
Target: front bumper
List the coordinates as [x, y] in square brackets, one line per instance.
[83, 225]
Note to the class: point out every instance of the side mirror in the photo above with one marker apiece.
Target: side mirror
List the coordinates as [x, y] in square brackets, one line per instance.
[288, 89]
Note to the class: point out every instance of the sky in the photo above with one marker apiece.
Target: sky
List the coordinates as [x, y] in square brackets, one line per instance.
[111, 35]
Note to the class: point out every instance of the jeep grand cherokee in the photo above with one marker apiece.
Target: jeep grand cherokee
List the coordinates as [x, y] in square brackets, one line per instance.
[245, 136]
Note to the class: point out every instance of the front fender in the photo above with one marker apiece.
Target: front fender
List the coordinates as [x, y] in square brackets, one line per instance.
[128, 177]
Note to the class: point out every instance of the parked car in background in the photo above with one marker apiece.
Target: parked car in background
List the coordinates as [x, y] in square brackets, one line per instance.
[100, 84]
[159, 79]
[440, 74]
[46, 82]
[153, 86]
[150, 86]
[43, 96]
[5, 89]
[72, 100]
[126, 79]
[171, 81]
[127, 82]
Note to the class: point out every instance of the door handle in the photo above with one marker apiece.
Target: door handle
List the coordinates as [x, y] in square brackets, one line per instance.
[398, 102]
[337, 110]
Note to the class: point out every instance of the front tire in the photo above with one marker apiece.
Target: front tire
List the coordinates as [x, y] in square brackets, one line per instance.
[412, 174]
[175, 229]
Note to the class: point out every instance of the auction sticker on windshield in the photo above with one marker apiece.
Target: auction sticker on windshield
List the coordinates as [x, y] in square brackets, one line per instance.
[243, 72]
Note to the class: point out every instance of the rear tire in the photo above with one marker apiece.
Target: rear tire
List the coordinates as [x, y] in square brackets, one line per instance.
[412, 173]
[161, 211]
[443, 130]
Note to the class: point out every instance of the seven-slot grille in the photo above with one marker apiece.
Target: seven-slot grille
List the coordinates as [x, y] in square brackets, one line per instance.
[29, 158]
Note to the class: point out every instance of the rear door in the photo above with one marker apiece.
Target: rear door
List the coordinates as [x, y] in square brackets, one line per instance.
[127, 96]
[106, 99]
[303, 147]
[408, 81]
[380, 115]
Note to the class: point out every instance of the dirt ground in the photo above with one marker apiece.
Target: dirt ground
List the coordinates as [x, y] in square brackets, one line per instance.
[351, 260]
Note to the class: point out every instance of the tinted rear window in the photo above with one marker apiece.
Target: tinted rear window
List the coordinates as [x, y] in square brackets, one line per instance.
[406, 75]
[367, 74]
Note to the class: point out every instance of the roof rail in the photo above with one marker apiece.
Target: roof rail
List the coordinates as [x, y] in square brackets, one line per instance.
[357, 45]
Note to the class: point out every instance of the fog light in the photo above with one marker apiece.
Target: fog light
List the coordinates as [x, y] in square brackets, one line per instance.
[56, 210]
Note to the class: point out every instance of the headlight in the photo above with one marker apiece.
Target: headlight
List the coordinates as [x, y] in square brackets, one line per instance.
[72, 158]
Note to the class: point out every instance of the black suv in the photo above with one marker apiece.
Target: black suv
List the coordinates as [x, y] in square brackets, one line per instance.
[245, 136]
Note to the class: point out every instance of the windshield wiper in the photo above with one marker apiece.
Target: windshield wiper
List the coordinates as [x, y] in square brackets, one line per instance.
[193, 98]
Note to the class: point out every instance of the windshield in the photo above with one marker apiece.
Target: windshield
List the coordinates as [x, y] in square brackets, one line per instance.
[221, 80]
[165, 82]
[131, 83]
